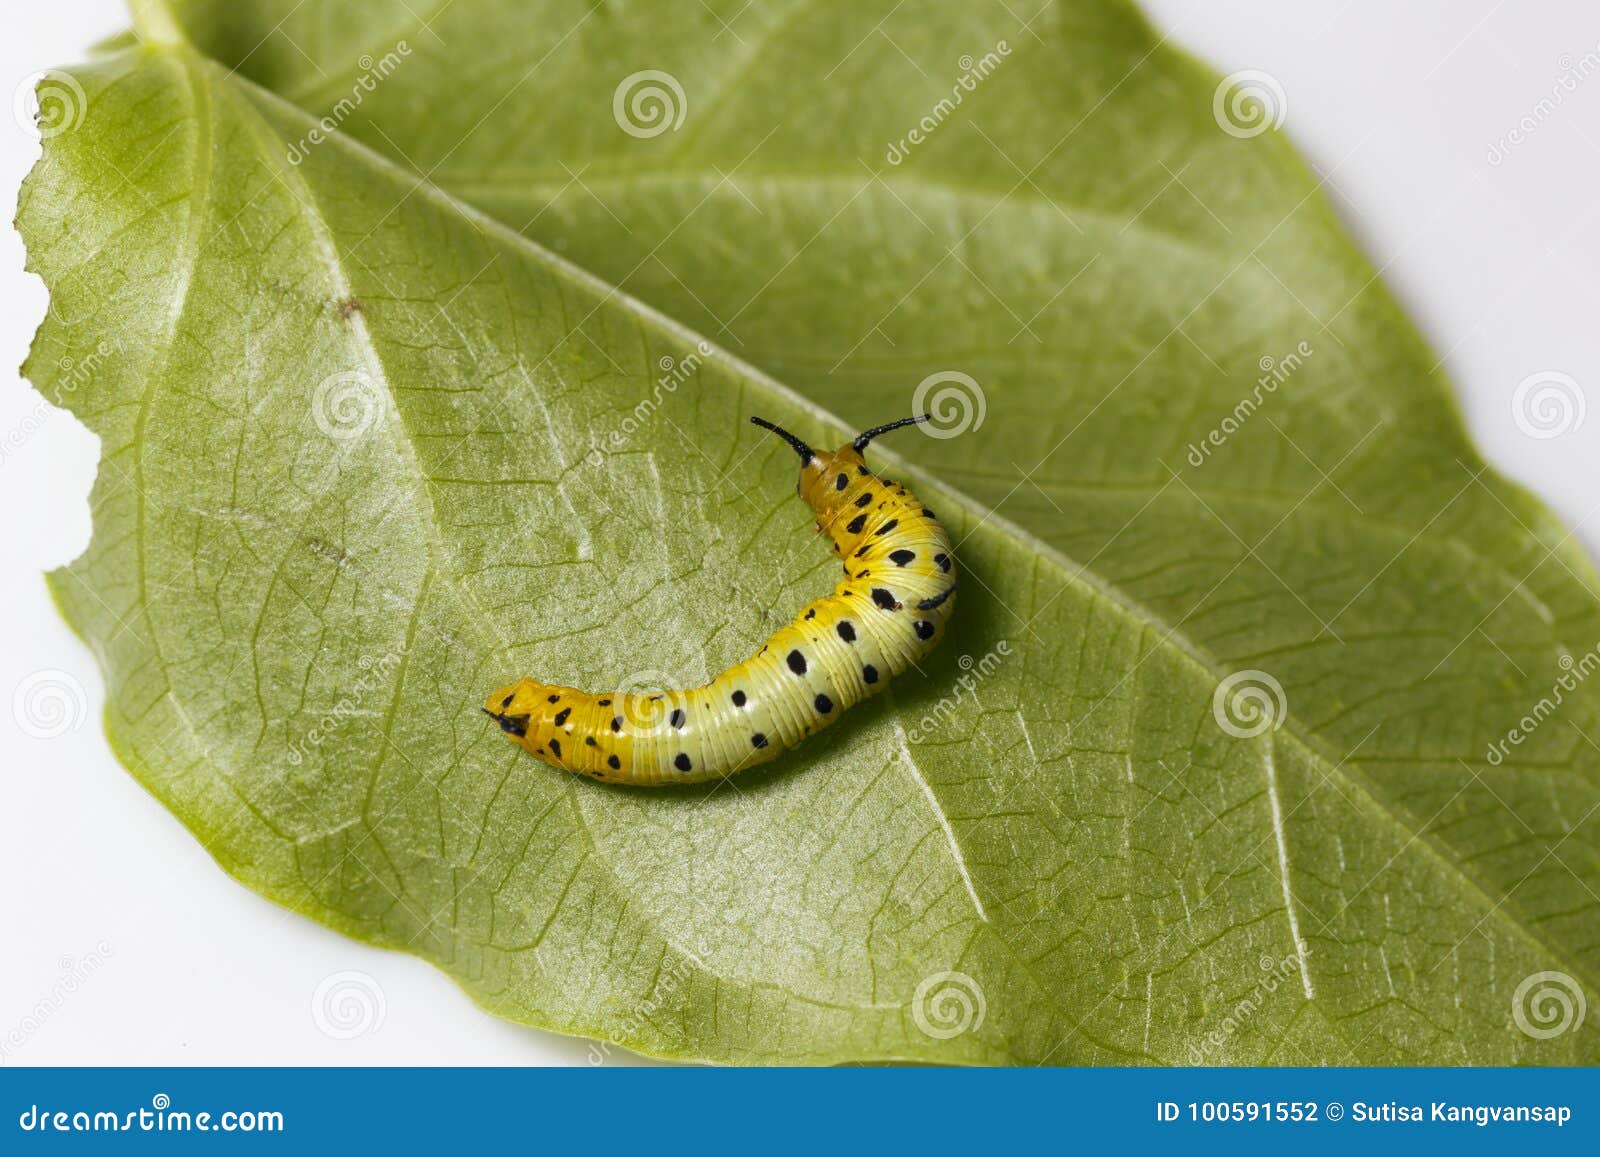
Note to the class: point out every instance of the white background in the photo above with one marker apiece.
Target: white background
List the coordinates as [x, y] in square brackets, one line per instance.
[1398, 104]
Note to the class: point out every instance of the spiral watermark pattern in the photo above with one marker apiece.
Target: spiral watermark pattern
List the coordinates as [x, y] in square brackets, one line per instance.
[49, 703]
[640, 700]
[47, 104]
[948, 1004]
[1248, 103]
[1249, 703]
[1547, 1004]
[954, 401]
[348, 1004]
[1549, 404]
[649, 103]
[345, 405]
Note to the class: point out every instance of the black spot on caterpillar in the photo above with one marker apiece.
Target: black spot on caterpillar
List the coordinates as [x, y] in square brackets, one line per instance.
[800, 680]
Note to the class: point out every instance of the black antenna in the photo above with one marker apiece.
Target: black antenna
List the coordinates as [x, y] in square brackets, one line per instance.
[866, 436]
[800, 447]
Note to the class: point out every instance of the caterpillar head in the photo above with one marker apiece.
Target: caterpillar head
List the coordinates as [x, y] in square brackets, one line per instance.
[513, 706]
[826, 479]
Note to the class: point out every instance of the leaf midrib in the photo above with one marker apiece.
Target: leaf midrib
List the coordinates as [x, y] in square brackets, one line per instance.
[1335, 512]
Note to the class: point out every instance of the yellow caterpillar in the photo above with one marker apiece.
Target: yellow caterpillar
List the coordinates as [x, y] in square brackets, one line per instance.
[890, 610]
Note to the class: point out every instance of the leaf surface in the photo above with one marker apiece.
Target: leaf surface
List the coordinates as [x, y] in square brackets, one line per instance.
[369, 451]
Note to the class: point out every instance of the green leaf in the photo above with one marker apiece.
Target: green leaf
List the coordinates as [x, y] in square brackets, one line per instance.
[369, 451]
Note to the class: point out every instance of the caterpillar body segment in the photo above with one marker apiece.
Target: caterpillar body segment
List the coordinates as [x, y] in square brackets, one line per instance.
[890, 609]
